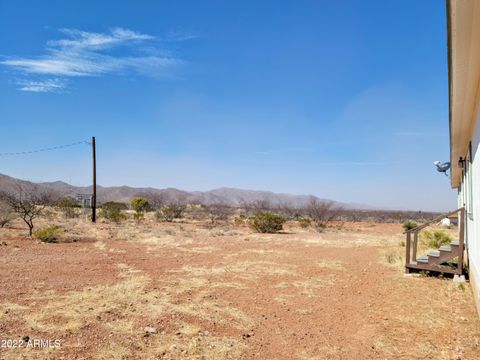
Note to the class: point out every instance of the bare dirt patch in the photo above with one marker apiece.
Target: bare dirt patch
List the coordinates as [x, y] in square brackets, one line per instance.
[228, 293]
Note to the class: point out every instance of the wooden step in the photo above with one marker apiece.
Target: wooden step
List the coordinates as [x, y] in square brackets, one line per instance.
[422, 259]
[429, 267]
[446, 248]
[434, 253]
[454, 243]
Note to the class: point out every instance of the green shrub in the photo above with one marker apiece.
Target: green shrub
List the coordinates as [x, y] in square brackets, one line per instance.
[113, 211]
[267, 222]
[49, 234]
[435, 239]
[170, 212]
[409, 225]
[140, 204]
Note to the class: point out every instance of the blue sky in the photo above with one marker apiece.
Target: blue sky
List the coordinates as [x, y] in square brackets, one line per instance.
[346, 100]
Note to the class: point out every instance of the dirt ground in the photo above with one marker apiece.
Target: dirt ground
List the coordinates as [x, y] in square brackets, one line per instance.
[225, 292]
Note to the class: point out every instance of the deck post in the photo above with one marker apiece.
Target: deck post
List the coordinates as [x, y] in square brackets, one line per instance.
[415, 245]
[407, 255]
[461, 241]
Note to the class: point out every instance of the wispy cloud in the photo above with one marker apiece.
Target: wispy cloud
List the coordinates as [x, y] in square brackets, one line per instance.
[82, 53]
[180, 35]
[48, 85]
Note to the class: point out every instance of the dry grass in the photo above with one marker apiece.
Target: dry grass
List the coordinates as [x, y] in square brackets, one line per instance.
[308, 287]
[331, 264]
[245, 270]
[119, 309]
[228, 277]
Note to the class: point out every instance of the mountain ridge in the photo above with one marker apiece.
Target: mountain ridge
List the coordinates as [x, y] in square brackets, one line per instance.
[228, 195]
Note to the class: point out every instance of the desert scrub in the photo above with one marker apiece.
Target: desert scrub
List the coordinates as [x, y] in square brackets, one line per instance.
[49, 234]
[170, 212]
[409, 225]
[140, 205]
[267, 222]
[435, 239]
[304, 222]
[113, 211]
[240, 220]
[68, 206]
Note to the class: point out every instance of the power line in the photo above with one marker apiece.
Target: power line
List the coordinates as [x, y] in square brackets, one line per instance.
[45, 149]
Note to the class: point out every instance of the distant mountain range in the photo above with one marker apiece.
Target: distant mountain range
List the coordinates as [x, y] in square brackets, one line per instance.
[229, 196]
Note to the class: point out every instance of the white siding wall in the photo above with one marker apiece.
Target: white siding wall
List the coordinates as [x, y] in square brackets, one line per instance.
[469, 196]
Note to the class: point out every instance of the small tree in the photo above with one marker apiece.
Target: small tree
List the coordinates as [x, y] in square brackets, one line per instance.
[267, 222]
[140, 205]
[322, 212]
[28, 202]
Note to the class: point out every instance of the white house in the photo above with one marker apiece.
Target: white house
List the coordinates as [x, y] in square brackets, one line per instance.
[463, 23]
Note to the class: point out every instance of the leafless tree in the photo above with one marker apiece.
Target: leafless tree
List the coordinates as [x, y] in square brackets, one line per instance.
[253, 207]
[28, 202]
[218, 211]
[322, 212]
[6, 214]
[289, 211]
[156, 201]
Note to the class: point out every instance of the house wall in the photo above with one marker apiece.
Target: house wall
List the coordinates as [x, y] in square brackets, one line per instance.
[469, 196]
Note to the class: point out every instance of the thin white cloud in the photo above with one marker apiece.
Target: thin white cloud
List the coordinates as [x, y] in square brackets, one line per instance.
[48, 85]
[83, 53]
[179, 35]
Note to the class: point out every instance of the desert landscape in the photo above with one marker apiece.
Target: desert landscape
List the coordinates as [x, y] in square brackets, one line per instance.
[238, 180]
[192, 288]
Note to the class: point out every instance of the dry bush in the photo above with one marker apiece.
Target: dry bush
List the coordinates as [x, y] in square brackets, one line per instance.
[386, 216]
[322, 212]
[6, 214]
[254, 207]
[267, 222]
[113, 211]
[170, 212]
[289, 211]
[218, 211]
[68, 206]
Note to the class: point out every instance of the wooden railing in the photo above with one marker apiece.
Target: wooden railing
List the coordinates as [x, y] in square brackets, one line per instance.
[411, 249]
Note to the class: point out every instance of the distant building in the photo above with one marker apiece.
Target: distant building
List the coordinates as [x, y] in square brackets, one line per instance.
[463, 22]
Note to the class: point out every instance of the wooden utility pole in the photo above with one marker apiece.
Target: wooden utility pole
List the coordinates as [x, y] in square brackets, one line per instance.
[94, 194]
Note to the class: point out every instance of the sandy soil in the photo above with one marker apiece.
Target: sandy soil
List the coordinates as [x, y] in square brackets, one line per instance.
[226, 293]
